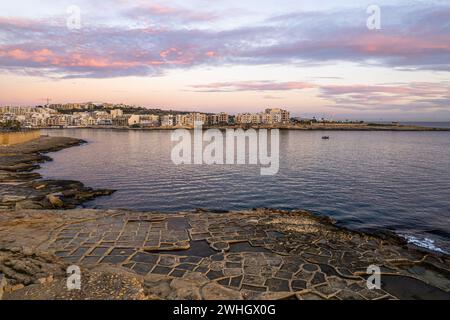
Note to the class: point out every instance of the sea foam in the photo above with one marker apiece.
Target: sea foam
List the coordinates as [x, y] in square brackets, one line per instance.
[424, 243]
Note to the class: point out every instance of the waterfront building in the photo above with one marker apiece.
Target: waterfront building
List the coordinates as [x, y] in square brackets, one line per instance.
[198, 117]
[120, 121]
[116, 113]
[179, 119]
[189, 119]
[91, 121]
[266, 118]
[255, 118]
[56, 121]
[144, 120]
[279, 115]
[38, 119]
[223, 118]
[149, 120]
[244, 118]
[213, 119]
[102, 114]
[134, 120]
[220, 118]
[167, 120]
[104, 122]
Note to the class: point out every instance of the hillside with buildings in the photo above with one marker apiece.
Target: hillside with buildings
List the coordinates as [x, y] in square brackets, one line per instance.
[119, 115]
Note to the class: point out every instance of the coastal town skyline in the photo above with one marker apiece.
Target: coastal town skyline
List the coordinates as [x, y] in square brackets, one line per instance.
[310, 58]
[123, 116]
[298, 114]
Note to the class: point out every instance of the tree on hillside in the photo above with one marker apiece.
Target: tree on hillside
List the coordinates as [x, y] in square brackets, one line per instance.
[10, 125]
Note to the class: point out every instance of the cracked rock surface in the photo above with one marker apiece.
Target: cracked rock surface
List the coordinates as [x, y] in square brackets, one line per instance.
[255, 254]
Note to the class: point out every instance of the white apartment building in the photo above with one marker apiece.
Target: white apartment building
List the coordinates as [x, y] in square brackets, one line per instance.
[213, 119]
[179, 120]
[102, 114]
[270, 116]
[17, 110]
[244, 118]
[266, 118]
[189, 119]
[135, 119]
[144, 120]
[116, 113]
[199, 117]
[279, 115]
[220, 118]
[168, 120]
[255, 118]
[224, 118]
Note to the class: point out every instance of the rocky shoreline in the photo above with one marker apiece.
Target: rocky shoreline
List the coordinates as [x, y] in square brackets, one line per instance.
[21, 188]
[253, 254]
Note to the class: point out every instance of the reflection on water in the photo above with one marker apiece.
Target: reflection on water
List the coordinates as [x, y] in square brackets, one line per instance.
[394, 180]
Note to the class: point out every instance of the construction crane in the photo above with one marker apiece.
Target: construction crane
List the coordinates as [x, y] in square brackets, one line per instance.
[48, 101]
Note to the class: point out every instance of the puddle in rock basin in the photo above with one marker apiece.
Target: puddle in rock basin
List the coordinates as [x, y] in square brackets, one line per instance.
[198, 249]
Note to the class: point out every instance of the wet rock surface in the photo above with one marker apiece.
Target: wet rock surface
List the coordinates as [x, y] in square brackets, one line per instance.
[21, 188]
[255, 254]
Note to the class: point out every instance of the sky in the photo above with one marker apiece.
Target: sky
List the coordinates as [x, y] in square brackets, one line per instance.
[314, 58]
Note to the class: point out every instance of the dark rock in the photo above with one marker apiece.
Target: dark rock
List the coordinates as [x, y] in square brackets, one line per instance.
[2, 285]
[28, 204]
[298, 285]
[276, 285]
[24, 158]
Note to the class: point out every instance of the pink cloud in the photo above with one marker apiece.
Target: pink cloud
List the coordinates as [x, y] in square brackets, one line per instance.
[42, 55]
[102, 51]
[166, 53]
[211, 54]
[147, 12]
[425, 95]
[355, 97]
[384, 44]
[253, 86]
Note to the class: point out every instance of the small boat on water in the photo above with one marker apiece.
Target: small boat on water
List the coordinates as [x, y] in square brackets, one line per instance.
[326, 138]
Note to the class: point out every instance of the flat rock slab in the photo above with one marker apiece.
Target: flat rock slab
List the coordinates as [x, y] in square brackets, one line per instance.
[256, 254]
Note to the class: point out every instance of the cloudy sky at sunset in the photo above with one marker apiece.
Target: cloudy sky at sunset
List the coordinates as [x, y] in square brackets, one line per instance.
[311, 57]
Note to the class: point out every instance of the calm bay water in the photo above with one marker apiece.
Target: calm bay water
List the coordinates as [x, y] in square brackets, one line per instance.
[365, 180]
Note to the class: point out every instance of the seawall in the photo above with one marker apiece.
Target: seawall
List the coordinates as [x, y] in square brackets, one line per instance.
[16, 137]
